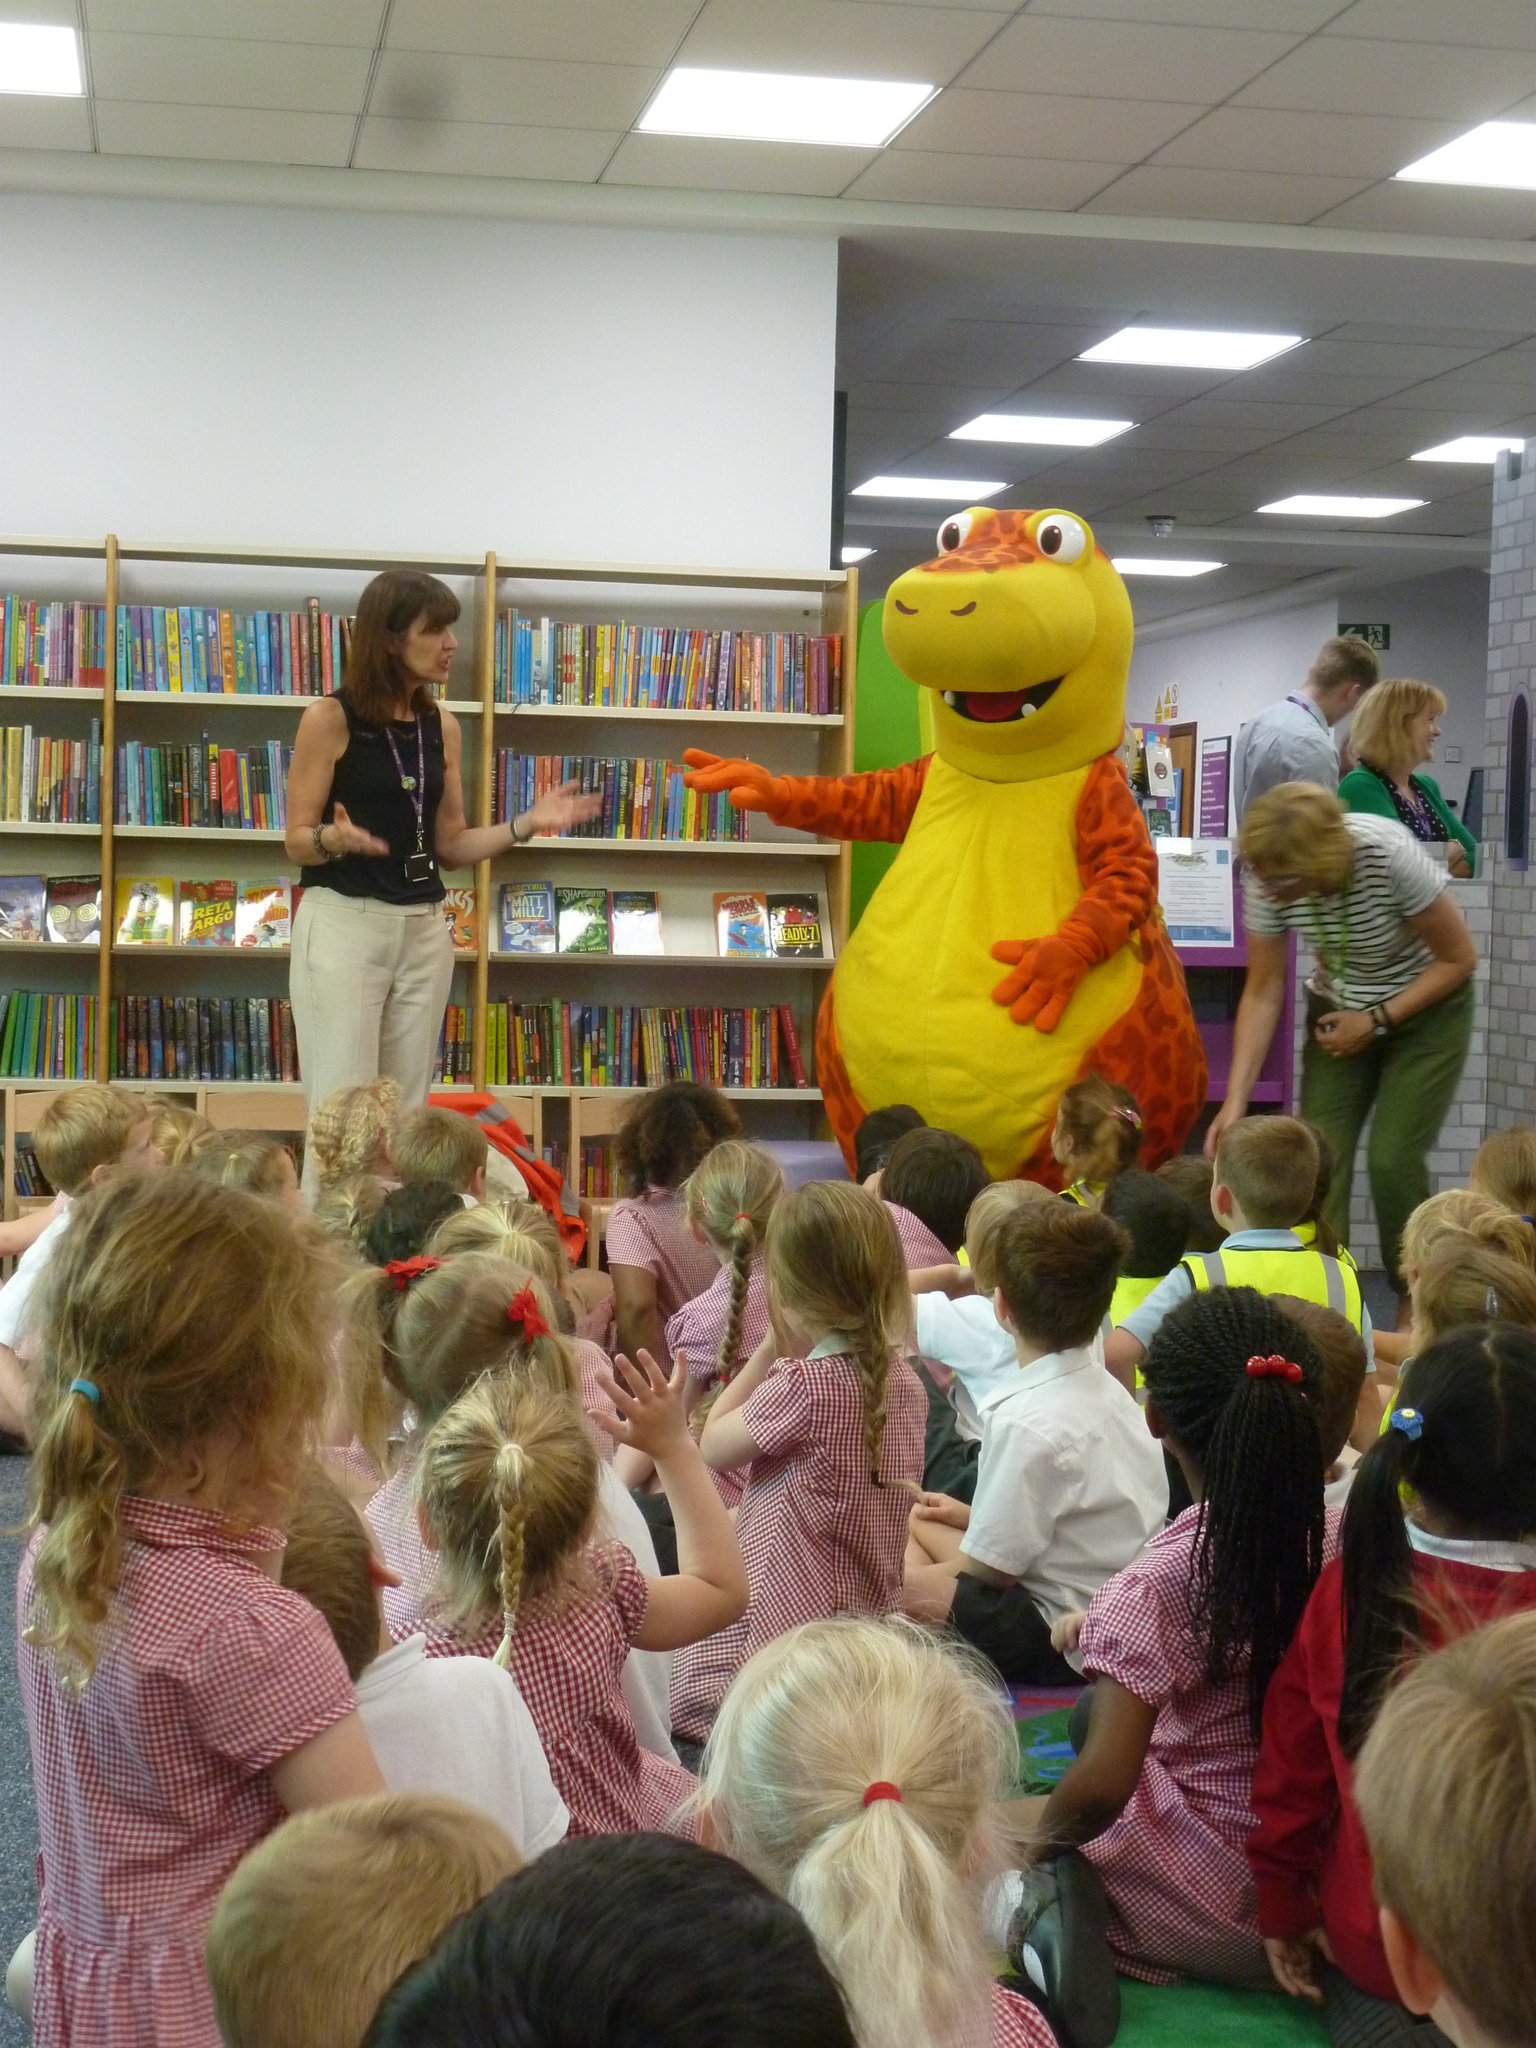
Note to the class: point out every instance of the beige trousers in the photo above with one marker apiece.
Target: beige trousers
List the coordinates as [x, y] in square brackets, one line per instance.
[369, 982]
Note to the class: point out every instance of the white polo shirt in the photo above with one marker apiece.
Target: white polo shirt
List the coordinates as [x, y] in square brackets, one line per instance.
[16, 1294]
[964, 1334]
[1071, 1483]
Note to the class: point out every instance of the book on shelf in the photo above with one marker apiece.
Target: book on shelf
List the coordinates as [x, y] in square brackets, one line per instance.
[264, 913]
[201, 1038]
[598, 1172]
[459, 909]
[625, 666]
[642, 798]
[581, 919]
[527, 917]
[74, 910]
[598, 1045]
[207, 913]
[194, 650]
[794, 926]
[28, 1179]
[635, 916]
[23, 902]
[741, 923]
[203, 784]
[47, 780]
[146, 910]
[455, 1046]
[56, 645]
[46, 1037]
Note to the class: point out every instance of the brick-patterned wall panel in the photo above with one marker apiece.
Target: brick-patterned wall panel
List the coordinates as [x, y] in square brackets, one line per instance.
[1511, 1050]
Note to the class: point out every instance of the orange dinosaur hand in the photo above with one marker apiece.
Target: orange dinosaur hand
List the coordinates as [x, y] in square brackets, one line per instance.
[750, 787]
[1045, 974]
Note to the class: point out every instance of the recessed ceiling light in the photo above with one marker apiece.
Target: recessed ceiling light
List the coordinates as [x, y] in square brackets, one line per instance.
[1469, 448]
[38, 59]
[778, 106]
[954, 490]
[1499, 153]
[1190, 348]
[1319, 505]
[1158, 565]
[1039, 428]
[852, 555]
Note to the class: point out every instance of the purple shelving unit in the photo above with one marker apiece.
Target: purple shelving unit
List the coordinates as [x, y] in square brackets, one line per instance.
[1215, 976]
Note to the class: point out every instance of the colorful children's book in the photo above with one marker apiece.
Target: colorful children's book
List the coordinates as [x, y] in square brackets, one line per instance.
[146, 910]
[794, 927]
[207, 913]
[74, 910]
[527, 917]
[264, 913]
[741, 923]
[581, 917]
[23, 899]
[636, 922]
[459, 909]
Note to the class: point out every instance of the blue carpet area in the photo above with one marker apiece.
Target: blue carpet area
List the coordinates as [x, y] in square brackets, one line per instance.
[18, 1814]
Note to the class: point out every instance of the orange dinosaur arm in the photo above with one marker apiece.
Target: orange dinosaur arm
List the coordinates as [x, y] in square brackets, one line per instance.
[875, 805]
[1118, 871]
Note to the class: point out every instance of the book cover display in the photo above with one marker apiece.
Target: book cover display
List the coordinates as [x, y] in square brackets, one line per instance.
[636, 923]
[459, 909]
[741, 923]
[146, 910]
[23, 899]
[527, 917]
[264, 913]
[794, 927]
[74, 910]
[581, 917]
[207, 914]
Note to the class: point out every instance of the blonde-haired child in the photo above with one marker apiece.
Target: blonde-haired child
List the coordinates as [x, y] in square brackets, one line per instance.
[857, 1768]
[1097, 1134]
[1505, 1167]
[440, 1144]
[244, 1159]
[178, 1700]
[509, 1500]
[1456, 1219]
[828, 1418]
[350, 1132]
[178, 1133]
[324, 1917]
[345, 1210]
[1464, 1283]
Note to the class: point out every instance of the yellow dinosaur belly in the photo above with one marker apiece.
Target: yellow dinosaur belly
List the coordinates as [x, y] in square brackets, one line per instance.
[981, 861]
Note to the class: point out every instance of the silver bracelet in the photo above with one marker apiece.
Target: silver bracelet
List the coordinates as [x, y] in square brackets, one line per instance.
[320, 846]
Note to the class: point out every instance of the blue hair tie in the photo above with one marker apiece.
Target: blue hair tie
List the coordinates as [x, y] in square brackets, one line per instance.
[90, 1391]
[1408, 1422]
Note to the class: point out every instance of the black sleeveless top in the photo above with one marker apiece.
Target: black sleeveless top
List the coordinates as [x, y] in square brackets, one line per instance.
[366, 783]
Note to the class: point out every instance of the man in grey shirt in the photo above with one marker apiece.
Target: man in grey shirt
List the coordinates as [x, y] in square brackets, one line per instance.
[1292, 741]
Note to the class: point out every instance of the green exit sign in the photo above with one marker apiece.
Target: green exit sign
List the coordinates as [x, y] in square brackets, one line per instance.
[1378, 636]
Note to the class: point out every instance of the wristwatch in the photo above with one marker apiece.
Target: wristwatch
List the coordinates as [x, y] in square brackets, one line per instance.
[1381, 1022]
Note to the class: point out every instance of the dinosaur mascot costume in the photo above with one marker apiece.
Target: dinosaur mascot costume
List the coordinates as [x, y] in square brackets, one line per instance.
[1020, 843]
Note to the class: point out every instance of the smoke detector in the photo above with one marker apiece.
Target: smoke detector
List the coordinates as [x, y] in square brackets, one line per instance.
[1161, 524]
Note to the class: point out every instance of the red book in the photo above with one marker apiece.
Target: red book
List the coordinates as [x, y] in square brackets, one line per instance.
[229, 785]
[792, 1044]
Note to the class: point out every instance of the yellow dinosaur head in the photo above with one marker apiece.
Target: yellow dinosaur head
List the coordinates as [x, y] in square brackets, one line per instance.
[1021, 628]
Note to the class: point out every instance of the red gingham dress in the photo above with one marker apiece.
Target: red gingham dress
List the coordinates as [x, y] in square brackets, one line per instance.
[818, 1537]
[652, 1230]
[567, 1664]
[697, 1329]
[1018, 2024]
[592, 1362]
[391, 1515]
[919, 1246]
[151, 1784]
[1181, 1894]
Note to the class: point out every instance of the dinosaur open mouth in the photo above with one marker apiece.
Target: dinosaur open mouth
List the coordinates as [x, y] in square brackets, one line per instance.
[999, 707]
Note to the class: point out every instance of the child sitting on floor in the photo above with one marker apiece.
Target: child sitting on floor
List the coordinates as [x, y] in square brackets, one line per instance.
[326, 1914]
[928, 1183]
[509, 1495]
[454, 1726]
[1192, 1175]
[349, 1132]
[1436, 1541]
[439, 1144]
[1346, 1420]
[1070, 1484]
[1097, 1134]
[345, 1210]
[1505, 1168]
[1451, 1762]
[246, 1160]
[402, 1225]
[178, 1133]
[857, 1767]
[875, 1136]
[1155, 1217]
[827, 1418]
[1456, 1218]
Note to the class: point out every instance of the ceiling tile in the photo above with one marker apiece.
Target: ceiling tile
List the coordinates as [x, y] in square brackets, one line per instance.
[1479, 339]
[1044, 125]
[1283, 17]
[46, 14]
[485, 149]
[700, 164]
[1437, 210]
[259, 135]
[840, 38]
[213, 71]
[28, 123]
[1494, 24]
[1125, 390]
[598, 31]
[1328, 145]
[881, 394]
[1221, 195]
[419, 86]
[943, 179]
[1408, 362]
[283, 21]
[978, 352]
[1333, 74]
[1136, 62]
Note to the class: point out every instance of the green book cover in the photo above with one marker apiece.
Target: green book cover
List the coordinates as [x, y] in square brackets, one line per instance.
[581, 918]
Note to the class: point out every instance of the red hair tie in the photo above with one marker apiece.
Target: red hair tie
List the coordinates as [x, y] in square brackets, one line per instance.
[881, 1790]
[523, 1311]
[1273, 1368]
[404, 1271]
[741, 1216]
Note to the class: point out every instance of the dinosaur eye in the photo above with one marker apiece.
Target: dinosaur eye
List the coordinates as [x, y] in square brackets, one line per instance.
[1062, 537]
[952, 533]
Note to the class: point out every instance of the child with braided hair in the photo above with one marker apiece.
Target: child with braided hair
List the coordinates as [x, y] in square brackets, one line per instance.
[509, 1501]
[827, 1419]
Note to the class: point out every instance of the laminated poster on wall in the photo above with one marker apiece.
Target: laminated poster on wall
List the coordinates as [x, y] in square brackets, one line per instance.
[1194, 887]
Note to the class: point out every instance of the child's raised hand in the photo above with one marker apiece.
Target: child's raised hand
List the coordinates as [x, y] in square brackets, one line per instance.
[1067, 1632]
[1294, 1963]
[939, 1507]
[651, 1413]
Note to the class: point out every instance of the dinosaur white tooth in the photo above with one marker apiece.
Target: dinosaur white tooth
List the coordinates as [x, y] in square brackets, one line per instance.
[1026, 710]
[952, 699]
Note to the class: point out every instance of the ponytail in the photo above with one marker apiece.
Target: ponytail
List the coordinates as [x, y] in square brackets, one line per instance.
[729, 1198]
[743, 1251]
[871, 1345]
[1381, 1615]
[77, 1489]
[512, 1517]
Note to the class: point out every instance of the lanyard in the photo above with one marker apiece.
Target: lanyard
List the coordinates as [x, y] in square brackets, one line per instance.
[1319, 939]
[415, 786]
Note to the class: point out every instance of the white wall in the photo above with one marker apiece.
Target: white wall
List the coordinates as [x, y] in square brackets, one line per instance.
[254, 376]
[1439, 634]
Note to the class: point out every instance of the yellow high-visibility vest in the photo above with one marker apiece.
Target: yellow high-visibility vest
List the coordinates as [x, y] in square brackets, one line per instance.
[1311, 1275]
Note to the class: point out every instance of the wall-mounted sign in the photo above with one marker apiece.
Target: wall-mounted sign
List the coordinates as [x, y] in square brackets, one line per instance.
[1378, 635]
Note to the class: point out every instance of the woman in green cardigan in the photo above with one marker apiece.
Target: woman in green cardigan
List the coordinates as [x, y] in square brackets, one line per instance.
[1394, 733]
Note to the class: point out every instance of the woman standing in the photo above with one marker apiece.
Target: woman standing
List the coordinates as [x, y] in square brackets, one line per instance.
[1389, 1005]
[375, 810]
[1394, 733]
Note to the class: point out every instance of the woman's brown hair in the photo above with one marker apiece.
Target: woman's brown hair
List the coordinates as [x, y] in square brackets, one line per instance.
[376, 677]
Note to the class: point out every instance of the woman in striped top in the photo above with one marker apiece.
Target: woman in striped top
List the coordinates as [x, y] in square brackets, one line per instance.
[1389, 1002]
